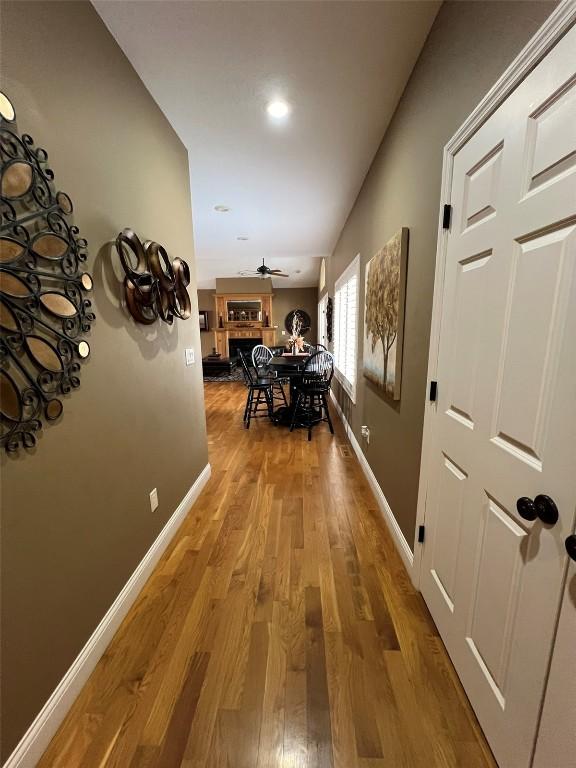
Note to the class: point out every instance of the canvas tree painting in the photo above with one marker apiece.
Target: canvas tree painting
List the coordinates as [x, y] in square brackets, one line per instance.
[384, 315]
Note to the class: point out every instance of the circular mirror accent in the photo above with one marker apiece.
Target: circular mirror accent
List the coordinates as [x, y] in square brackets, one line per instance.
[7, 319]
[7, 111]
[305, 321]
[65, 203]
[58, 305]
[50, 246]
[10, 404]
[10, 250]
[53, 409]
[83, 349]
[13, 286]
[16, 179]
[87, 282]
[44, 354]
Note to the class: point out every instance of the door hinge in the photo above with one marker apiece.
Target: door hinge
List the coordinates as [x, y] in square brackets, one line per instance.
[420, 534]
[447, 217]
[433, 391]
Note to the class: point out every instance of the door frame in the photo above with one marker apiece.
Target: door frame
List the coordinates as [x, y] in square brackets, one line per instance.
[556, 25]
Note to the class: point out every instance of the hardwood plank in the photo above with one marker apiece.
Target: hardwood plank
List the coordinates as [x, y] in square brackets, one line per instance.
[271, 746]
[339, 667]
[318, 706]
[172, 749]
[295, 742]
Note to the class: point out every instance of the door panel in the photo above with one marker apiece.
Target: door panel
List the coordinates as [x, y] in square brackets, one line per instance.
[446, 534]
[505, 425]
[481, 188]
[527, 369]
[551, 147]
[495, 594]
[471, 287]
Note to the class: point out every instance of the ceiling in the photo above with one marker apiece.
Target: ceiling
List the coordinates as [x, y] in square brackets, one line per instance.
[212, 67]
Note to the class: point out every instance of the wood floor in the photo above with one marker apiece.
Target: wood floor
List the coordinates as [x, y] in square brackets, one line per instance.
[280, 629]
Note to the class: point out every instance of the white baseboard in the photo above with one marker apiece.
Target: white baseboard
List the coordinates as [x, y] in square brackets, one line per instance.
[399, 540]
[36, 739]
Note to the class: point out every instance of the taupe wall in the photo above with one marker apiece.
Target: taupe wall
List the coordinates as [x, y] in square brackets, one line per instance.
[76, 518]
[287, 299]
[243, 285]
[469, 46]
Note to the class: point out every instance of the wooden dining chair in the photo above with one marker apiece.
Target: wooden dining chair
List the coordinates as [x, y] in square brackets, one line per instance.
[261, 356]
[257, 386]
[311, 393]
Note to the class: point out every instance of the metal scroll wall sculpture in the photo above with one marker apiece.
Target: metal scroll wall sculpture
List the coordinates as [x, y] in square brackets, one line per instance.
[329, 319]
[44, 313]
[154, 286]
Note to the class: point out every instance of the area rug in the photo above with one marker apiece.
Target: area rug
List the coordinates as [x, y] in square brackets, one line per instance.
[236, 375]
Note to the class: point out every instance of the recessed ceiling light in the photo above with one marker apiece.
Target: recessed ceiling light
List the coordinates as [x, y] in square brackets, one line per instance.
[221, 208]
[242, 237]
[278, 109]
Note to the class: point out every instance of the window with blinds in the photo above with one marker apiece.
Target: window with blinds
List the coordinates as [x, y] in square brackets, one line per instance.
[346, 327]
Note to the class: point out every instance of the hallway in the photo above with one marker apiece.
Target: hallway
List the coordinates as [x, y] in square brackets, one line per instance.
[279, 629]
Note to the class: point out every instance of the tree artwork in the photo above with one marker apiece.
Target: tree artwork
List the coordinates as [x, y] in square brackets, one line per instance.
[384, 315]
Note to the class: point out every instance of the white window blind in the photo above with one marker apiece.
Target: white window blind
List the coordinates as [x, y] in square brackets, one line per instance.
[346, 327]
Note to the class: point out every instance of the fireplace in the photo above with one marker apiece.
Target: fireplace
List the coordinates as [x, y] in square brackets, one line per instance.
[246, 345]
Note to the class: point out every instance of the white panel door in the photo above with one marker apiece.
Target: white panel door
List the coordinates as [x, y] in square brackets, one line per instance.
[505, 426]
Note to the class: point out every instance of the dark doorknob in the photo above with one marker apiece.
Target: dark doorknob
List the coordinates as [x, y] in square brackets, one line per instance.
[570, 544]
[542, 507]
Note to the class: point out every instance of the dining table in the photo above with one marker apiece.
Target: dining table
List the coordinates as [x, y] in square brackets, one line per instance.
[287, 366]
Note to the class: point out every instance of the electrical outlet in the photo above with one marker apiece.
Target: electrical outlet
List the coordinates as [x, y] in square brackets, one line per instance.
[365, 431]
[189, 357]
[283, 333]
[154, 500]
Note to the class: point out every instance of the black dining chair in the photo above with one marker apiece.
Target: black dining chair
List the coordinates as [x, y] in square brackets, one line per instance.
[256, 385]
[311, 393]
[261, 356]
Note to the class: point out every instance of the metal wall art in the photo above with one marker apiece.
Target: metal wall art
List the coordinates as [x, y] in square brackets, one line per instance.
[154, 286]
[43, 310]
[329, 318]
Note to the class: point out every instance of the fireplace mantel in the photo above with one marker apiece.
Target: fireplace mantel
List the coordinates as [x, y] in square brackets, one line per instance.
[244, 329]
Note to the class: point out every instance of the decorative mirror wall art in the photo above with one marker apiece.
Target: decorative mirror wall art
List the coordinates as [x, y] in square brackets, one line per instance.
[44, 312]
[154, 286]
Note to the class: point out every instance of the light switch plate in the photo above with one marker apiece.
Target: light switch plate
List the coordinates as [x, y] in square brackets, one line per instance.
[154, 500]
[189, 357]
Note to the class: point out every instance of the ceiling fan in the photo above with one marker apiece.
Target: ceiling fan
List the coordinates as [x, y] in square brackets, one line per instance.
[264, 271]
